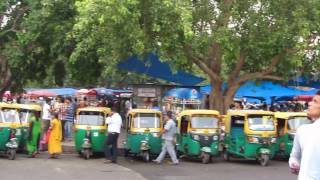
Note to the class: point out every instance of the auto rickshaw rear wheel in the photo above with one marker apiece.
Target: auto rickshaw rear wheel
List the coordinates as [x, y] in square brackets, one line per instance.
[205, 157]
[11, 154]
[264, 159]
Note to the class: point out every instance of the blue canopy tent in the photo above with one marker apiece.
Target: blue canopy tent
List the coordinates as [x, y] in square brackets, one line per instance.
[57, 91]
[183, 96]
[153, 67]
[265, 90]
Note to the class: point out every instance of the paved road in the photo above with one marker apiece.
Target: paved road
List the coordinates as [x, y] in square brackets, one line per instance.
[71, 167]
[192, 170]
[68, 167]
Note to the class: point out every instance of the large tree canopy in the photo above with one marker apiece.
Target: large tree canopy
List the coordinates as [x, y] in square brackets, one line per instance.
[229, 40]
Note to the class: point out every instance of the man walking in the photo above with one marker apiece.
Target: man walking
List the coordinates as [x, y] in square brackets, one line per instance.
[305, 155]
[168, 136]
[114, 122]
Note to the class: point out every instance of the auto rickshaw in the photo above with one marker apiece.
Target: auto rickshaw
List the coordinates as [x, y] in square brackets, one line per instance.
[143, 127]
[250, 134]
[10, 129]
[90, 130]
[198, 134]
[287, 124]
[25, 113]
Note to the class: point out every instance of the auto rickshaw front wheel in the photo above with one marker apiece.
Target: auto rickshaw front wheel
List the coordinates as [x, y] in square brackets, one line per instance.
[226, 155]
[11, 154]
[86, 154]
[264, 160]
[146, 156]
[205, 157]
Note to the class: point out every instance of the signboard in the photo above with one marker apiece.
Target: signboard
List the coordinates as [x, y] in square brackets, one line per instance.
[146, 92]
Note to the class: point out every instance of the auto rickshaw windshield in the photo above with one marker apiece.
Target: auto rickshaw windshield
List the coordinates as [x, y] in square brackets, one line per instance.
[146, 120]
[25, 115]
[261, 123]
[296, 122]
[204, 121]
[91, 118]
[11, 115]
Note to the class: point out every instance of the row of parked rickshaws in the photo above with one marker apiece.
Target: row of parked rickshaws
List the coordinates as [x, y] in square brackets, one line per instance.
[202, 134]
[14, 127]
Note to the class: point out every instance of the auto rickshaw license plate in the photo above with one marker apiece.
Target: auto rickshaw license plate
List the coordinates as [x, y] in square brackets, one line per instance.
[18, 132]
[95, 134]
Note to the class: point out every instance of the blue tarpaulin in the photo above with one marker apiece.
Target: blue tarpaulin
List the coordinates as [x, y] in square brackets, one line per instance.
[265, 90]
[153, 67]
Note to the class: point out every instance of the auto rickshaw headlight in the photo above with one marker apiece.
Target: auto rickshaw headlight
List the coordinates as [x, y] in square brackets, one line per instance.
[273, 140]
[196, 137]
[252, 139]
[215, 137]
[155, 134]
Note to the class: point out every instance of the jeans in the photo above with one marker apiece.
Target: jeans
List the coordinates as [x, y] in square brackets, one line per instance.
[111, 147]
[68, 129]
[168, 146]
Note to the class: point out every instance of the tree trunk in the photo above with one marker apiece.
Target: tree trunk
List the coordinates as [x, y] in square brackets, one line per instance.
[5, 75]
[221, 100]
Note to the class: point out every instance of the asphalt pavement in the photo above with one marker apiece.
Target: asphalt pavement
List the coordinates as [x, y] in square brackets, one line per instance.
[218, 170]
[67, 167]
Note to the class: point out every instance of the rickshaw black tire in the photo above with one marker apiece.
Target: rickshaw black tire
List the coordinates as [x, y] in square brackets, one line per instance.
[126, 153]
[86, 154]
[11, 154]
[205, 158]
[146, 156]
[264, 160]
[226, 155]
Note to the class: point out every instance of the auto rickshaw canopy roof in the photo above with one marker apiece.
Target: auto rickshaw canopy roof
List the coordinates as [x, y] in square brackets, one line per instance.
[248, 112]
[7, 105]
[287, 115]
[144, 111]
[34, 107]
[95, 109]
[199, 111]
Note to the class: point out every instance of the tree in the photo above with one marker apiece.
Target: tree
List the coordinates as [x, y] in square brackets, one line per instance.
[230, 41]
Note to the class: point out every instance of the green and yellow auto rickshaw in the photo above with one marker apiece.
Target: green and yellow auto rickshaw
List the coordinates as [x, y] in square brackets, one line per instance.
[143, 128]
[90, 130]
[198, 134]
[10, 129]
[287, 124]
[250, 134]
[25, 111]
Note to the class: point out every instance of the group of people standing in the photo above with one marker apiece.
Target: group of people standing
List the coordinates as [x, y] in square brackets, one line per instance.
[52, 126]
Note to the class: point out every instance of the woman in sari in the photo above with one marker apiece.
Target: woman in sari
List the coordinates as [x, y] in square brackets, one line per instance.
[33, 134]
[54, 144]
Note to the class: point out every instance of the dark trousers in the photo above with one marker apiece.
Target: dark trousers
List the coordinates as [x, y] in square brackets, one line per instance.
[111, 147]
[63, 122]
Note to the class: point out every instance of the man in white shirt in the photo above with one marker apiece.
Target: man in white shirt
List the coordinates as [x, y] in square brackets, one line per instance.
[114, 122]
[46, 116]
[305, 155]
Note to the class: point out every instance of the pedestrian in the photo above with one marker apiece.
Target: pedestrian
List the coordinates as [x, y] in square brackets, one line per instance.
[46, 117]
[62, 112]
[305, 155]
[54, 144]
[168, 136]
[33, 133]
[114, 122]
[69, 118]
